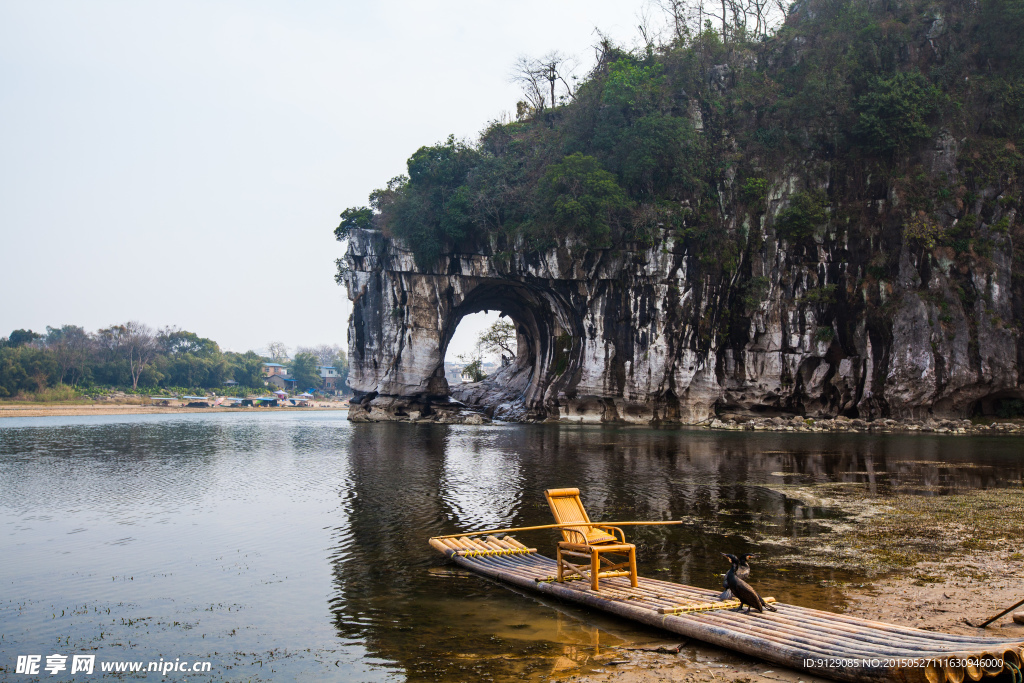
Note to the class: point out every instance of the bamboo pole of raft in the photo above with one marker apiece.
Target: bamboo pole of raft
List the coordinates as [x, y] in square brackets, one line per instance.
[802, 648]
[778, 652]
[866, 644]
[853, 622]
[922, 648]
[925, 639]
[849, 624]
[852, 645]
[797, 633]
[555, 526]
[664, 599]
[787, 638]
[1008, 609]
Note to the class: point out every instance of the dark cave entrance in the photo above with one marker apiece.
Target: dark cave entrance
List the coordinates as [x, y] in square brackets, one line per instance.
[539, 321]
[1002, 404]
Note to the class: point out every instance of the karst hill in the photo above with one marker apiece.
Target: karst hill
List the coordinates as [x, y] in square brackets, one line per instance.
[822, 221]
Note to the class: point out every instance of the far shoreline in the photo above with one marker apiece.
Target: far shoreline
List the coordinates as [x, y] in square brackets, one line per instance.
[66, 409]
[838, 425]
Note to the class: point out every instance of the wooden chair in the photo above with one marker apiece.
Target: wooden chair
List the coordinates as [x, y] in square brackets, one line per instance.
[590, 542]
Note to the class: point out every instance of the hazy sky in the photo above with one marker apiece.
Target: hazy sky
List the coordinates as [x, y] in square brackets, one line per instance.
[185, 162]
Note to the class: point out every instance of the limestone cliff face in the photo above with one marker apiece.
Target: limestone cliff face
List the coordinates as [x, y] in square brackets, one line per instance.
[811, 275]
[638, 334]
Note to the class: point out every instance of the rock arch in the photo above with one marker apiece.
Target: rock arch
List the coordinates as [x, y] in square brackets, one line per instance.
[403, 320]
[541, 319]
[639, 333]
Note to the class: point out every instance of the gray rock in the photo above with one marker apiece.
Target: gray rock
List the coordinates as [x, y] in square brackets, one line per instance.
[622, 335]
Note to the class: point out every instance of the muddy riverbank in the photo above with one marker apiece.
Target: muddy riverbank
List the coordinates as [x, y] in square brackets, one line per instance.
[879, 426]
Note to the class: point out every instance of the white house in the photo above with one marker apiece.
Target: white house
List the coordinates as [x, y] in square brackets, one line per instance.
[330, 376]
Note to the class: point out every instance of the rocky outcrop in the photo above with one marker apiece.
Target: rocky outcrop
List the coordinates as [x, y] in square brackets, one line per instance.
[878, 426]
[815, 278]
[819, 327]
[405, 409]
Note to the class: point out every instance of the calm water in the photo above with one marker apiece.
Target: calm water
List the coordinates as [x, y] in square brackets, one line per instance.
[293, 546]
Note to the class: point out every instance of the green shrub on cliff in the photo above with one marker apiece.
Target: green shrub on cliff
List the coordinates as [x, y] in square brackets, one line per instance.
[894, 113]
[923, 230]
[355, 218]
[806, 211]
[430, 208]
[582, 198]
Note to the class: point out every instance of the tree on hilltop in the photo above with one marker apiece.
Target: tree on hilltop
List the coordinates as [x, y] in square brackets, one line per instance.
[277, 351]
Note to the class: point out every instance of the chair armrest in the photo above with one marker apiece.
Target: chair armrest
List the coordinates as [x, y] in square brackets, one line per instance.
[579, 533]
[613, 529]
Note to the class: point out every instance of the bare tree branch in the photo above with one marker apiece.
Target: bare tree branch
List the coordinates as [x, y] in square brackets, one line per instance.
[277, 350]
[678, 12]
[325, 354]
[529, 75]
[547, 81]
[139, 345]
[736, 19]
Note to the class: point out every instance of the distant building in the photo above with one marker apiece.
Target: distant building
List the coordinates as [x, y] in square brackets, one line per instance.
[329, 374]
[453, 371]
[271, 369]
[281, 382]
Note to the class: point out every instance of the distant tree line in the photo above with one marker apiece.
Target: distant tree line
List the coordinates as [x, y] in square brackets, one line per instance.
[134, 356]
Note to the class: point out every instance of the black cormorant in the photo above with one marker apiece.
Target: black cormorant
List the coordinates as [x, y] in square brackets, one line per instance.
[743, 591]
[742, 571]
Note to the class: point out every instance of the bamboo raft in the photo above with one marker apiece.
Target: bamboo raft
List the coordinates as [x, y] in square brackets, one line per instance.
[822, 643]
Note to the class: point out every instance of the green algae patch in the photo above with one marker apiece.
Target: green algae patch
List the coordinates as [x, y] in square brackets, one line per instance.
[879, 535]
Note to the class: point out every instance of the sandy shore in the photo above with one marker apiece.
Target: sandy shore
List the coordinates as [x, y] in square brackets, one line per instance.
[44, 410]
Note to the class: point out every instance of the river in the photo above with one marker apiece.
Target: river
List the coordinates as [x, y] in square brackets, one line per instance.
[293, 546]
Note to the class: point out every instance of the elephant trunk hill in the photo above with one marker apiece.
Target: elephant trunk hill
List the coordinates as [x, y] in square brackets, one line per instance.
[819, 222]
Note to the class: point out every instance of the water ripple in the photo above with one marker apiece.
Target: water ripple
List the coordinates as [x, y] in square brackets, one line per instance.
[298, 539]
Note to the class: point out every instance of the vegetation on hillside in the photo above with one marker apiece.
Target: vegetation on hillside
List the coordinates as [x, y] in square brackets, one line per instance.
[687, 136]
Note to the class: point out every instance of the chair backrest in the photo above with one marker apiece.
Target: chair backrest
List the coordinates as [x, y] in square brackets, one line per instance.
[567, 507]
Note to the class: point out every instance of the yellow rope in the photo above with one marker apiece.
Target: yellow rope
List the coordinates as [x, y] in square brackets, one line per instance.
[567, 577]
[508, 551]
[577, 577]
[704, 606]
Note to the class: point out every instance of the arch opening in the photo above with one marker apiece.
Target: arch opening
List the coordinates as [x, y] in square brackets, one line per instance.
[517, 386]
[487, 338]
